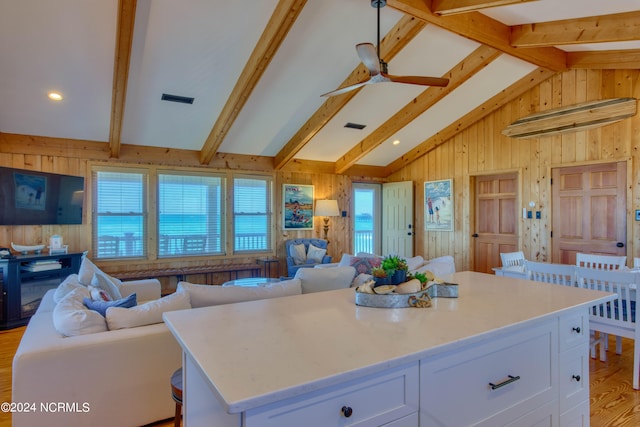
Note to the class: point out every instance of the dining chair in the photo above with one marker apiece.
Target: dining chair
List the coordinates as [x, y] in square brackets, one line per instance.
[603, 262]
[512, 259]
[616, 317]
[557, 274]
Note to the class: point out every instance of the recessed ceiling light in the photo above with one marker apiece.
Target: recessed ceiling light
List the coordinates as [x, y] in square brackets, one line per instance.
[396, 142]
[55, 96]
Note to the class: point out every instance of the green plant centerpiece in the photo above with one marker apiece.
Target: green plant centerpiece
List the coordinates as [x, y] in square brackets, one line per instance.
[392, 271]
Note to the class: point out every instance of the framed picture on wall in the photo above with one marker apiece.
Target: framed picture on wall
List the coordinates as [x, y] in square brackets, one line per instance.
[297, 207]
[438, 205]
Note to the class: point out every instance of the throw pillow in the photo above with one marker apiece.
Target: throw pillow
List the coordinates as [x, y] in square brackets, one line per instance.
[101, 306]
[100, 280]
[315, 253]
[98, 294]
[71, 317]
[148, 313]
[364, 265]
[88, 269]
[208, 295]
[298, 253]
[68, 284]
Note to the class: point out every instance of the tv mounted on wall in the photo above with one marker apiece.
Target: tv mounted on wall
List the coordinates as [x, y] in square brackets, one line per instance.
[40, 198]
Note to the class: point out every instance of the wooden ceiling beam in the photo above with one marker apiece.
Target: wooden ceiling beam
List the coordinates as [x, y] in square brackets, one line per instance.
[459, 74]
[597, 29]
[124, 40]
[484, 30]
[449, 7]
[282, 19]
[526, 83]
[611, 59]
[392, 43]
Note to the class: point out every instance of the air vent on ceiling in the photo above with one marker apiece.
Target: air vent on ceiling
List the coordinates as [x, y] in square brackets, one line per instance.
[177, 98]
[354, 126]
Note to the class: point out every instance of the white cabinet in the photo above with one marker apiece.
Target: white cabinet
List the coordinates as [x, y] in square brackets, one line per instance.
[537, 376]
[383, 399]
[495, 382]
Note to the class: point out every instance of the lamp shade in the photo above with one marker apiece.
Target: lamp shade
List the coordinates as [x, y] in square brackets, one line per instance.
[327, 208]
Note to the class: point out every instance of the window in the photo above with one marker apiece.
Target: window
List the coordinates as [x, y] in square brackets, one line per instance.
[252, 217]
[190, 214]
[119, 214]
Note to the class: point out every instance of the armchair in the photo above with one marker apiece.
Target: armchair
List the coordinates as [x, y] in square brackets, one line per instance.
[298, 258]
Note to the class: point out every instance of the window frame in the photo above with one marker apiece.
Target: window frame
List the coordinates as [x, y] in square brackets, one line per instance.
[151, 199]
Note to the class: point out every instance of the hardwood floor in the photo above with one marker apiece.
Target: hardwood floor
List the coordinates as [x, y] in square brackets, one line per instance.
[614, 402]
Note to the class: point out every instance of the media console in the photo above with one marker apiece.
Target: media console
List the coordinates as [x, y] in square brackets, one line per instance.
[24, 281]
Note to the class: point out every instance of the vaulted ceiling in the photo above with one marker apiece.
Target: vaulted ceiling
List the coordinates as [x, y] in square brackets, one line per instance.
[256, 70]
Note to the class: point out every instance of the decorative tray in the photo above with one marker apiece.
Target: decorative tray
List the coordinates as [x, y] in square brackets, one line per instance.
[417, 299]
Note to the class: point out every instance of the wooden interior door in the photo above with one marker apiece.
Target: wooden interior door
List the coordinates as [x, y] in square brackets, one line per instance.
[397, 218]
[496, 219]
[589, 211]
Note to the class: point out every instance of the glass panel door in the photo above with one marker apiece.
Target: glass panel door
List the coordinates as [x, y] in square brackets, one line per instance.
[366, 218]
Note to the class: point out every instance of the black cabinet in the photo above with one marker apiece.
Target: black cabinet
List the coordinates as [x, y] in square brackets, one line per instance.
[24, 281]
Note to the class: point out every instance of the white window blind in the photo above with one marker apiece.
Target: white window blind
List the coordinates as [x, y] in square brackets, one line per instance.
[190, 214]
[252, 217]
[119, 214]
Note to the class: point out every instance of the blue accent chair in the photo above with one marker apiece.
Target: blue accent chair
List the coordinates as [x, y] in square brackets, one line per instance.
[291, 265]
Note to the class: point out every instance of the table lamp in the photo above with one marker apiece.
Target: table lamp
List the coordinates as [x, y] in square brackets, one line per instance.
[326, 208]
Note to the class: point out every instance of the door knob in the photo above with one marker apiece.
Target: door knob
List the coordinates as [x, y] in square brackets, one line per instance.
[620, 245]
[474, 235]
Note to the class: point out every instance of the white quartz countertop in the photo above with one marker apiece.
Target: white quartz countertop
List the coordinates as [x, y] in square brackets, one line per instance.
[259, 352]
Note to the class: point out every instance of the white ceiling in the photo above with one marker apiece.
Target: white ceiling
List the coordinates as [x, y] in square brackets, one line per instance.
[198, 48]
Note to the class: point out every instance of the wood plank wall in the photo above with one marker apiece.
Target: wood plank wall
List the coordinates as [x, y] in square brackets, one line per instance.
[482, 149]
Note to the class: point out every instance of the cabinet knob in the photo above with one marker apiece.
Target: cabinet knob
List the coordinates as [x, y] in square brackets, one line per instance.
[347, 411]
[576, 377]
[577, 329]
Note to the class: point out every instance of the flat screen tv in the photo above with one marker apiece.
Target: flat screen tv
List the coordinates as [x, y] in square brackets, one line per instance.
[40, 198]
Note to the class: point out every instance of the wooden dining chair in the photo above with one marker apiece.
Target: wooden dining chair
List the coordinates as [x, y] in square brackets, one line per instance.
[616, 317]
[557, 274]
[602, 262]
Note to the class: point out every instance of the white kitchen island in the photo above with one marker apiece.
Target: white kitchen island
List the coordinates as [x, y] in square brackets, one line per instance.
[506, 352]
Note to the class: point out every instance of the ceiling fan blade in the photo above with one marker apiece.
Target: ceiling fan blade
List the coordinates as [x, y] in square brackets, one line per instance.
[369, 57]
[345, 89]
[418, 80]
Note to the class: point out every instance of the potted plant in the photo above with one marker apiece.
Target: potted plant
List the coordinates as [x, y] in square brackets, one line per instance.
[392, 271]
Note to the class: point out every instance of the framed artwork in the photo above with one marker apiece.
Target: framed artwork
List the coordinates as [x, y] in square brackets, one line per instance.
[30, 191]
[297, 207]
[438, 205]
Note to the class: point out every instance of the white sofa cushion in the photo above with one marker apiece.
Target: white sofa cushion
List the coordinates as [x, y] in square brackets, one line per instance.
[415, 263]
[103, 281]
[325, 279]
[69, 284]
[440, 266]
[147, 313]
[71, 317]
[208, 295]
[87, 271]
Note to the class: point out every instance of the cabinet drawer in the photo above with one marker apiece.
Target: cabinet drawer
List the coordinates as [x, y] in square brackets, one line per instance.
[574, 329]
[462, 380]
[371, 401]
[574, 377]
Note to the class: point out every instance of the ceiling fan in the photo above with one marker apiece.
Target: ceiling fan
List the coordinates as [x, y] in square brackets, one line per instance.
[378, 68]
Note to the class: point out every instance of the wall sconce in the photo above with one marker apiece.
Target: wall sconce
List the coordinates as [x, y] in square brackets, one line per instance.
[326, 208]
